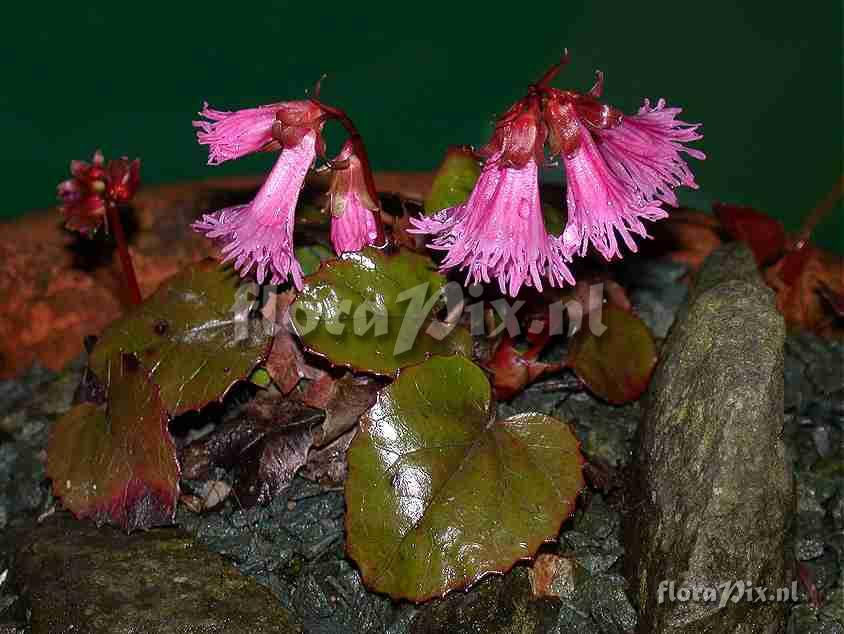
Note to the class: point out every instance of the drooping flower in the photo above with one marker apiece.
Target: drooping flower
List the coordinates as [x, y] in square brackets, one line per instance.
[499, 232]
[93, 187]
[645, 148]
[259, 235]
[353, 220]
[618, 169]
[231, 135]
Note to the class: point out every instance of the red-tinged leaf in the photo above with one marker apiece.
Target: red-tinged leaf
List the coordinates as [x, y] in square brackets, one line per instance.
[287, 363]
[267, 440]
[764, 235]
[809, 284]
[833, 298]
[686, 236]
[806, 578]
[512, 371]
[343, 399]
[617, 364]
[117, 463]
[792, 265]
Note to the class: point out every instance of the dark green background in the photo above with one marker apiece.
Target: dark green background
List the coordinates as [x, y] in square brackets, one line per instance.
[764, 78]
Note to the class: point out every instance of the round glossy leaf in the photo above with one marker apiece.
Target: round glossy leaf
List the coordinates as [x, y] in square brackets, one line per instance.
[616, 364]
[193, 333]
[439, 493]
[371, 312]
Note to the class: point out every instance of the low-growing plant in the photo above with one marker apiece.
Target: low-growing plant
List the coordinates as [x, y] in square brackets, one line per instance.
[400, 367]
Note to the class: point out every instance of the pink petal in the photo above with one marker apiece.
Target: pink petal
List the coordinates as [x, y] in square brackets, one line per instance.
[355, 228]
[499, 233]
[644, 151]
[601, 204]
[231, 135]
[260, 234]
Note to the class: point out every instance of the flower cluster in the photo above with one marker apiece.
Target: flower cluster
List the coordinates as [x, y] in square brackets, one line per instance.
[618, 172]
[95, 186]
[259, 236]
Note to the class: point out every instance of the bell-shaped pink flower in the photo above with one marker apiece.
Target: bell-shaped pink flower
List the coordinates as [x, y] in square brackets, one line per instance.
[618, 170]
[353, 222]
[600, 203]
[231, 135]
[645, 150]
[260, 235]
[499, 233]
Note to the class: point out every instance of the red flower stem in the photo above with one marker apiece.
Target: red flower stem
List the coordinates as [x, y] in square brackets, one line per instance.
[123, 249]
[551, 73]
[817, 214]
[360, 152]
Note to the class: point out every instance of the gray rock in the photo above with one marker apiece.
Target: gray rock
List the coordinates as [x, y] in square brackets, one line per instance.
[716, 491]
[78, 578]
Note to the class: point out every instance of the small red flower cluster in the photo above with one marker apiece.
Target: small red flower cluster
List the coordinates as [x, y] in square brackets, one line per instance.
[94, 186]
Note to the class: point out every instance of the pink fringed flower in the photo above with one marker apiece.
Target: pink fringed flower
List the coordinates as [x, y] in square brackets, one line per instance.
[260, 235]
[618, 170]
[645, 149]
[232, 135]
[499, 233]
[353, 223]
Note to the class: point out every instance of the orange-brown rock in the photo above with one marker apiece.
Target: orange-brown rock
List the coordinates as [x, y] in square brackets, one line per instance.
[57, 287]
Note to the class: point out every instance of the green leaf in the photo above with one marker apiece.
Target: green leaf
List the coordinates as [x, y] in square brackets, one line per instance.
[185, 333]
[260, 377]
[117, 463]
[440, 494]
[370, 311]
[617, 364]
[454, 180]
[311, 256]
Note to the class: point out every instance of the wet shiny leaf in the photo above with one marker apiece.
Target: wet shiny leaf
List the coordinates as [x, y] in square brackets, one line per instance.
[117, 463]
[616, 364]
[454, 180]
[439, 493]
[369, 311]
[311, 256]
[188, 335]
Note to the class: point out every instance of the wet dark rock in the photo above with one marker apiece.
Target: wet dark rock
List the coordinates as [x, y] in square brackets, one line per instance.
[78, 578]
[716, 490]
[808, 620]
[497, 605]
[28, 407]
[294, 546]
